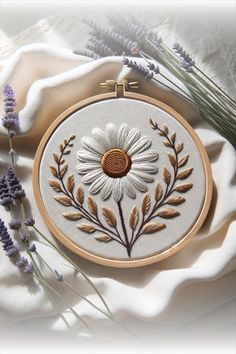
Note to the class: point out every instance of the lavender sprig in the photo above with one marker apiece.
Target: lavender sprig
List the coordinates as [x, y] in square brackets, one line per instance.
[5, 195]
[10, 120]
[140, 69]
[13, 251]
[15, 187]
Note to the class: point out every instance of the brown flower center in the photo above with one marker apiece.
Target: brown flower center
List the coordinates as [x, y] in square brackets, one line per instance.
[116, 163]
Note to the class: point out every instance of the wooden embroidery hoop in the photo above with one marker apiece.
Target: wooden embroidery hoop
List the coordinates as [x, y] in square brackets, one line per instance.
[122, 90]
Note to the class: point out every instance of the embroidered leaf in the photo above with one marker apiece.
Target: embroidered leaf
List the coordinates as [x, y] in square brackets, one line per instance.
[70, 183]
[72, 137]
[66, 152]
[179, 147]
[65, 141]
[72, 215]
[109, 216]
[103, 238]
[80, 195]
[133, 219]
[173, 137]
[55, 157]
[63, 170]
[63, 199]
[146, 204]
[172, 160]
[182, 188]
[153, 226]
[167, 213]
[92, 205]
[61, 147]
[54, 184]
[166, 130]
[154, 125]
[53, 170]
[175, 200]
[166, 176]
[89, 229]
[167, 143]
[158, 192]
[183, 161]
[184, 174]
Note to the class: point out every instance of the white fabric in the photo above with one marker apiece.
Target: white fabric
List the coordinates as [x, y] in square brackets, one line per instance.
[161, 303]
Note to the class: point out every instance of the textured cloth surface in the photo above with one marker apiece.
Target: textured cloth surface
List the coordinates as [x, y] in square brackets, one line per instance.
[190, 294]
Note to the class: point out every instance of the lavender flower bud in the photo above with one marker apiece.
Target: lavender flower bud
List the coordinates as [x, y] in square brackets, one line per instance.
[16, 190]
[9, 246]
[10, 120]
[29, 222]
[187, 62]
[24, 238]
[154, 68]
[21, 262]
[140, 69]
[32, 247]
[5, 195]
[28, 268]
[15, 225]
[59, 277]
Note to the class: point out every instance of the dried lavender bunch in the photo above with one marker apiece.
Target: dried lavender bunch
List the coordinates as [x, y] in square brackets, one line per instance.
[215, 105]
[12, 193]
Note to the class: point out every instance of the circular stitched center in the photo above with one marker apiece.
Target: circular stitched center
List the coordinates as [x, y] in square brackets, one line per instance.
[116, 163]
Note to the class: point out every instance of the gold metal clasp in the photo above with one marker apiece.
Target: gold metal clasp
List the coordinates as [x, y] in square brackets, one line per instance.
[119, 87]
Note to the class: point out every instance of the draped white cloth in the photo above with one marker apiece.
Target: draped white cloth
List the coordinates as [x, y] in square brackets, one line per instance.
[168, 305]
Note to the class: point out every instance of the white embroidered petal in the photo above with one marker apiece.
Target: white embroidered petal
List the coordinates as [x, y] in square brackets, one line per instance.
[146, 177]
[98, 184]
[132, 137]
[146, 156]
[86, 156]
[122, 135]
[129, 188]
[137, 182]
[101, 138]
[84, 168]
[107, 189]
[112, 135]
[140, 145]
[91, 145]
[117, 189]
[91, 176]
[145, 167]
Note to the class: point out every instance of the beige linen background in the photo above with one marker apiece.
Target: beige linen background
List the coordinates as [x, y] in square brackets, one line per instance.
[169, 305]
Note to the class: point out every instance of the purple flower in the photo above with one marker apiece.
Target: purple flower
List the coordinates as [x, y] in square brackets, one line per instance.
[32, 247]
[187, 63]
[9, 246]
[21, 262]
[15, 225]
[13, 251]
[5, 195]
[16, 190]
[154, 68]
[29, 222]
[28, 268]
[140, 69]
[10, 120]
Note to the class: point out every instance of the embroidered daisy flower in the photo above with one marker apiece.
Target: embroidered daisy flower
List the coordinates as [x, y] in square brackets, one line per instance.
[117, 161]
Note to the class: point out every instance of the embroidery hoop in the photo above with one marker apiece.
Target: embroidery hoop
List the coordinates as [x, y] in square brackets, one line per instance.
[122, 90]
